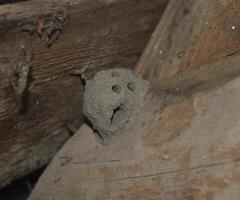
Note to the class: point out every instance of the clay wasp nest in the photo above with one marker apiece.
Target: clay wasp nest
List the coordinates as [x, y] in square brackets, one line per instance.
[112, 98]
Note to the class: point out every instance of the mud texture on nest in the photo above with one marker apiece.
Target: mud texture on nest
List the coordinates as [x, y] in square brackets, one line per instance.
[112, 98]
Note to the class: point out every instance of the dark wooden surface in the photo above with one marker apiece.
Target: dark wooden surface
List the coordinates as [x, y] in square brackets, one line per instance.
[43, 45]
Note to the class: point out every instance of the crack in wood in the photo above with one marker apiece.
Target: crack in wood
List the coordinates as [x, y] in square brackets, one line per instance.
[22, 71]
[166, 172]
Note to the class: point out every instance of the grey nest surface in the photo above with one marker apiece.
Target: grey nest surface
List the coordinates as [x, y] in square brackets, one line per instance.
[112, 98]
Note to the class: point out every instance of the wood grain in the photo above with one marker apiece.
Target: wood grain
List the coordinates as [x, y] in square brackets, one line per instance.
[84, 35]
[191, 34]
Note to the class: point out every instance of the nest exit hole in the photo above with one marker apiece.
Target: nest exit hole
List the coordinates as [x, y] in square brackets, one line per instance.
[131, 86]
[119, 115]
[116, 88]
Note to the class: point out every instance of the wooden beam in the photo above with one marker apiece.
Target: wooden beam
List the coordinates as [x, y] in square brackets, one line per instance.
[205, 77]
[188, 150]
[190, 34]
[43, 45]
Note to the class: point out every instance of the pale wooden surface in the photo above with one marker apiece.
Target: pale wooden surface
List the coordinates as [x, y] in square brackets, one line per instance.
[99, 34]
[190, 34]
[190, 150]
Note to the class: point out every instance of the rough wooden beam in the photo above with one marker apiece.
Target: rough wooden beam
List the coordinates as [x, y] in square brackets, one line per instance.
[190, 34]
[206, 76]
[43, 45]
[188, 150]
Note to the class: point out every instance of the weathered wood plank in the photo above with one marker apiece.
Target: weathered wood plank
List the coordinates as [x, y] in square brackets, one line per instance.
[42, 43]
[190, 150]
[190, 34]
[206, 76]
